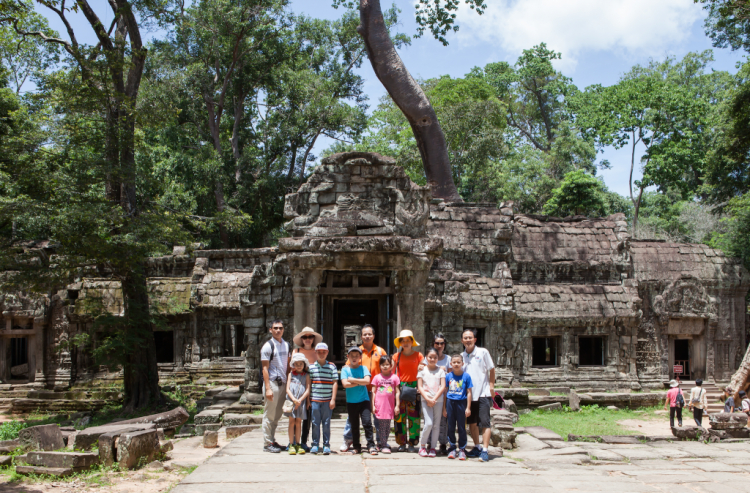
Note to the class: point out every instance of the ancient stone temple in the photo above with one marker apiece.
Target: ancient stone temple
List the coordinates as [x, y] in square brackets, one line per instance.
[571, 301]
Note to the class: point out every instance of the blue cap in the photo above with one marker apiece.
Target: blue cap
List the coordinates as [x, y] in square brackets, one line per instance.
[321, 345]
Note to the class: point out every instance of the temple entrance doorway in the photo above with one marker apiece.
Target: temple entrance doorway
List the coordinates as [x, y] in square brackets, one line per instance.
[682, 359]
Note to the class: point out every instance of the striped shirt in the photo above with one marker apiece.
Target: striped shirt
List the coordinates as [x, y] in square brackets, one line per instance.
[323, 377]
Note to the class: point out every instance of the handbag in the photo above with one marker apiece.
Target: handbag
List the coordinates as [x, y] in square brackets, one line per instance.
[287, 408]
[408, 394]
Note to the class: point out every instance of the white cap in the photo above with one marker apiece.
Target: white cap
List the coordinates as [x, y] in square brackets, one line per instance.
[321, 345]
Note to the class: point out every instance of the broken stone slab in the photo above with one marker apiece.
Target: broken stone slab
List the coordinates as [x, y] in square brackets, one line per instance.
[562, 390]
[251, 398]
[574, 401]
[8, 446]
[510, 406]
[542, 433]
[556, 406]
[690, 432]
[725, 421]
[538, 392]
[85, 439]
[236, 431]
[59, 472]
[621, 439]
[6, 460]
[503, 415]
[504, 437]
[209, 416]
[74, 460]
[135, 447]
[168, 420]
[738, 432]
[613, 408]
[211, 439]
[237, 419]
[42, 437]
[166, 446]
[201, 429]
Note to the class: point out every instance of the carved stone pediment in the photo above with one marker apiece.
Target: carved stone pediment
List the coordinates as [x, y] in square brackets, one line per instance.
[684, 298]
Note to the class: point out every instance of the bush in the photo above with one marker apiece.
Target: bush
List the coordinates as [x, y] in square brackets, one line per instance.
[9, 430]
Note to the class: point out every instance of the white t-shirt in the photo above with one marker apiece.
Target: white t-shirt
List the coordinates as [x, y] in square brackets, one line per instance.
[445, 363]
[431, 380]
[478, 365]
[277, 367]
[746, 404]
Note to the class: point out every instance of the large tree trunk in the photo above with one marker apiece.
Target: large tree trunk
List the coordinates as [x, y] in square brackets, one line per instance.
[741, 378]
[410, 98]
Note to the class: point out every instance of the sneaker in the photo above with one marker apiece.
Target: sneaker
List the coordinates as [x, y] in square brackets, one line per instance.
[271, 449]
[278, 446]
[314, 449]
[300, 450]
[423, 452]
[443, 449]
[305, 447]
[326, 450]
[462, 455]
[345, 446]
[484, 456]
[401, 448]
[432, 453]
[475, 452]
[292, 450]
[385, 450]
[452, 454]
[412, 449]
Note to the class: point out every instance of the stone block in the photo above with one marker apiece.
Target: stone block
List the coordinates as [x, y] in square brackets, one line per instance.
[137, 447]
[43, 437]
[49, 471]
[85, 439]
[236, 431]
[613, 408]
[74, 460]
[725, 421]
[208, 416]
[574, 401]
[165, 446]
[737, 432]
[562, 390]
[8, 446]
[108, 448]
[690, 432]
[237, 419]
[201, 429]
[537, 392]
[210, 439]
[542, 433]
[510, 405]
[6, 460]
[556, 406]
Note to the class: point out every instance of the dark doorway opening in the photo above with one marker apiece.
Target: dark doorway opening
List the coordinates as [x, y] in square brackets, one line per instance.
[19, 355]
[164, 346]
[348, 318]
[591, 351]
[544, 351]
[682, 357]
[233, 340]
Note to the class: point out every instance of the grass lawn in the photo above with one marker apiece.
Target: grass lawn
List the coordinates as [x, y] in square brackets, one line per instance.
[590, 420]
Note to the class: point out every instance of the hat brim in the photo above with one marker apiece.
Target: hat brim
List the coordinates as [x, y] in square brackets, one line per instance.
[397, 342]
[298, 339]
[673, 385]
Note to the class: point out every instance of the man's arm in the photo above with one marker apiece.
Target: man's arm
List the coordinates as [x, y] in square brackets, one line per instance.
[267, 379]
[468, 402]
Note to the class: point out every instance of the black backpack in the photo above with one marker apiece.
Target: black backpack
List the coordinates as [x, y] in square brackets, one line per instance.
[679, 400]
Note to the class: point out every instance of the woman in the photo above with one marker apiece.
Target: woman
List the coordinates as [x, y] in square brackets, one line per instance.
[407, 362]
[444, 361]
[306, 341]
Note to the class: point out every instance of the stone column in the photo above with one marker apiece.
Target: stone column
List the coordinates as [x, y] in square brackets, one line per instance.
[411, 292]
[306, 288]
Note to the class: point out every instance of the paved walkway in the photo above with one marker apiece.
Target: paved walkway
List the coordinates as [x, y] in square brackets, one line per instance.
[536, 466]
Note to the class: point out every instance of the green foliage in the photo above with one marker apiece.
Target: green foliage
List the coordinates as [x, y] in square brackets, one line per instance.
[579, 193]
[728, 23]
[590, 420]
[9, 429]
[734, 241]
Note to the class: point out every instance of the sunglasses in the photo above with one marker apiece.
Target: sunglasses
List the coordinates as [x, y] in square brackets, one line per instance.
[308, 337]
[438, 344]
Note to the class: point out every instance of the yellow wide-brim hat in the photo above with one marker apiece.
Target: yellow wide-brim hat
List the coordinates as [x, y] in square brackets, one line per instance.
[402, 334]
[306, 331]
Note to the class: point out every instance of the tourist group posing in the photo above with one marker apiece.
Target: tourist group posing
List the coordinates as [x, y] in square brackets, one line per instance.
[448, 391]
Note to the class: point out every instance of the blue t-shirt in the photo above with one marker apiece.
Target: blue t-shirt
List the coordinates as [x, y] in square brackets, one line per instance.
[358, 393]
[458, 386]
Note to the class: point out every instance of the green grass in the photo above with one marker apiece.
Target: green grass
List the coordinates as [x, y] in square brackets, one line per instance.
[590, 420]
[9, 430]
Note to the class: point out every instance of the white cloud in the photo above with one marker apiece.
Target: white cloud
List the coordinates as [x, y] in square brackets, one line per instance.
[626, 27]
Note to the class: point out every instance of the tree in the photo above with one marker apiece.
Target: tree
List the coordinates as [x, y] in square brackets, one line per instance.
[27, 58]
[404, 90]
[579, 193]
[728, 23]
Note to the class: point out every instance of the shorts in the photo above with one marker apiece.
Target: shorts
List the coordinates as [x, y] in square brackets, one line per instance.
[480, 412]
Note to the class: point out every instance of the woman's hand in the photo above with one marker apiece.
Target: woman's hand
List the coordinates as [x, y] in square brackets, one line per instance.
[445, 413]
[468, 412]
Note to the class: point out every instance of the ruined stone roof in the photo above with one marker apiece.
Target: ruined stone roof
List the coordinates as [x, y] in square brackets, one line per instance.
[543, 239]
[575, 301]
[475, 228]
[98, 296]
[662, 261]
[169, 295]
[222, 289]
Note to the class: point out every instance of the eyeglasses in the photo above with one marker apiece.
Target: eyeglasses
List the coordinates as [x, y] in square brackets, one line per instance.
[438, 344]
[308, 337]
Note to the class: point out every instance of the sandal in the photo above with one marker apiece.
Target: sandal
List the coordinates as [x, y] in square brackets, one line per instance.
[373, 451]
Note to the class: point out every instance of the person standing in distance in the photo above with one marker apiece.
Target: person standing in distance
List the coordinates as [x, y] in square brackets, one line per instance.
[480, 367]
[274, 361]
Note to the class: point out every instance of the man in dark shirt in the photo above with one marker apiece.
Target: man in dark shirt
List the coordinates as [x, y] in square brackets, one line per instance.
[728, 401]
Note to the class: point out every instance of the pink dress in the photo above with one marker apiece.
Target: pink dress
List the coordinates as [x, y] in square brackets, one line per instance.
[385, 395]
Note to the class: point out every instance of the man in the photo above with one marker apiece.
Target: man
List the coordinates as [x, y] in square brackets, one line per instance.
[728, 400]
[371, 354]
[480, 367]
[274, 361]
[698, 402]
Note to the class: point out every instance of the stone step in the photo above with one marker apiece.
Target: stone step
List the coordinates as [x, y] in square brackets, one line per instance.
[59, 472]
[64, 460]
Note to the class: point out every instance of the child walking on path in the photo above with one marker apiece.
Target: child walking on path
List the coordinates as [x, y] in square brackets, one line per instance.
[385, 390]
[407, 363]
[297, 391]
[431, 385]
[457, 405]
[355, 378]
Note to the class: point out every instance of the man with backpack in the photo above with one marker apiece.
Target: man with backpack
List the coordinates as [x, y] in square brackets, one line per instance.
[698, 402]
[274, 361]
[675, 401]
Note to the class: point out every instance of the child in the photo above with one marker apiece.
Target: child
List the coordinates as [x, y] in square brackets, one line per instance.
[325, 384]
[431, 385]
[457, 405]
[385, 397]
[407, 363]
[297, 390]
[355, 379]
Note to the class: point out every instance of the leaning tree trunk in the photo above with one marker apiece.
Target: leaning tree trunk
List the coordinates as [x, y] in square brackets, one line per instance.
[741, 378]
[410, 98]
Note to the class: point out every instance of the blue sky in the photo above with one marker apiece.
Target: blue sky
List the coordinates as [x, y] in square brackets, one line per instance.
[599, 41]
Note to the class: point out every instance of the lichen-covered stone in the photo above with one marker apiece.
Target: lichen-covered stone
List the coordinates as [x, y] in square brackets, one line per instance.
[137, 448]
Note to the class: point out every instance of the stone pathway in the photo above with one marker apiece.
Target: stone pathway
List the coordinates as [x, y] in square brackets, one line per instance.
[536, 466]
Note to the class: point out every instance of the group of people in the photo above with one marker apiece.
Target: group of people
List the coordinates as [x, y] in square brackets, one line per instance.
[698, 403]
[448, 391]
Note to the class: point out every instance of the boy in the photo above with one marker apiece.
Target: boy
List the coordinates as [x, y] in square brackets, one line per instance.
[457, 405]
[355, 378]
[324, 378]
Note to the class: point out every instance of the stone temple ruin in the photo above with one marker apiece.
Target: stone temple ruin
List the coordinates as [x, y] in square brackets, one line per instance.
[572, 301]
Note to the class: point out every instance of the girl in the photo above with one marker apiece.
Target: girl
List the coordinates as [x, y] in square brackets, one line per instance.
[431, 385]
[444, 362]
[385, 399]
[297, 391]
[407, 366]
[306, 341]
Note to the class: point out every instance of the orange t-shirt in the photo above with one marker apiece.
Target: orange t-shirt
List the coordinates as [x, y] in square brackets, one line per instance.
[409, 367]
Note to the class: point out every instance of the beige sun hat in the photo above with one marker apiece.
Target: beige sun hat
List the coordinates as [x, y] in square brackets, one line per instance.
[306, 331]
[402, 334]
[673, 383]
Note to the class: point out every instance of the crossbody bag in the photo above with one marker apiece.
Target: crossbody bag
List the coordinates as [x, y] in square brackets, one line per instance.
[408, 394]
